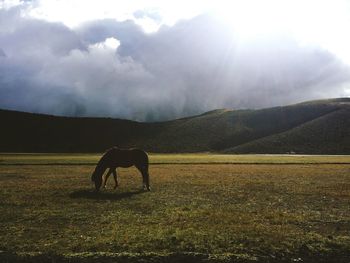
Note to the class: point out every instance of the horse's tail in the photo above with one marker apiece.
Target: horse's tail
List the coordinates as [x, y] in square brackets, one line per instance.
[146, 160]
[145, 172]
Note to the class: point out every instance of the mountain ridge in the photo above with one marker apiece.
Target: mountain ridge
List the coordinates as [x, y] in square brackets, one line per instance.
[269, 130]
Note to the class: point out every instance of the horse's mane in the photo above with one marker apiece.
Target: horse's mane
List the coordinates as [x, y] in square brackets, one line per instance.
[106, 155]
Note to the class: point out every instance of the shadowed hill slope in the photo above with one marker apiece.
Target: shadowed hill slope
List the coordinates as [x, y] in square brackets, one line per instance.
[327, 134]
[310, 127]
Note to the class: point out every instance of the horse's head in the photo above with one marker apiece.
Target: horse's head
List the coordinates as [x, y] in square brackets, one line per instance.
[96, 177]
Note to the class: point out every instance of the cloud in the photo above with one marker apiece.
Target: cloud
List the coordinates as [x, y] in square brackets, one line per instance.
[204, 67]
[112, 68]
[2, 53]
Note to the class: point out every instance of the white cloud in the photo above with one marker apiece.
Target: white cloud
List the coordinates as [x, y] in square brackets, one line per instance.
[75, 12]
[7, 4]
[313, 22]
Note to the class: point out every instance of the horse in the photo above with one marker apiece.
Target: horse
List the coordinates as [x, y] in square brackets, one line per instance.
[116, 157]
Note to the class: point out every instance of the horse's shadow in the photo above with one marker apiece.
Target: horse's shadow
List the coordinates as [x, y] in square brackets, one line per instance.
[91, 194]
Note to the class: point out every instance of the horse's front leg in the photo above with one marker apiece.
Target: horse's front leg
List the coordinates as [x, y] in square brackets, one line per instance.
[106, 178]
[115, 178]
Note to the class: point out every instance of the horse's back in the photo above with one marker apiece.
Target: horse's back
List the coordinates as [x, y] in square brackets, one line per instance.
[129, 157]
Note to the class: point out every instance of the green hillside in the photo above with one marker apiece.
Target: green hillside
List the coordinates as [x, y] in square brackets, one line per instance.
[327, 134]
[310, 127]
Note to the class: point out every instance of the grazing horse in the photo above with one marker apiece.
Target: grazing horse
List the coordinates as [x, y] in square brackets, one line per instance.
[116, 157]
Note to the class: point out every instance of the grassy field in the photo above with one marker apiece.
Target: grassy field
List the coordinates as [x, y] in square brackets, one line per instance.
[202, 208]
[201, 158]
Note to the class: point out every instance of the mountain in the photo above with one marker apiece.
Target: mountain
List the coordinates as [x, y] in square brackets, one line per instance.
[315, 127]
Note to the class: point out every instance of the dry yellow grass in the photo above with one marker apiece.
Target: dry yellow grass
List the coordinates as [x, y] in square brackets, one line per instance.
[246, 211]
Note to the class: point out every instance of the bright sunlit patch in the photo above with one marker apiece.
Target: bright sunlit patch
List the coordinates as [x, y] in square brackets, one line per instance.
[149, 25]
[250, 19]
[109, 43]
[321, 23]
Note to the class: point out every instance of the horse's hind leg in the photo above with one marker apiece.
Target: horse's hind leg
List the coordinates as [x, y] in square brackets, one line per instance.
[145, 177]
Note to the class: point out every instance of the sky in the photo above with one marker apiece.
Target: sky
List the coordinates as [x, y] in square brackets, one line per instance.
[158, 60]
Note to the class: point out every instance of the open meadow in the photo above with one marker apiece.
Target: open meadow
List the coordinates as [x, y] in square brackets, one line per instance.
[202, 208]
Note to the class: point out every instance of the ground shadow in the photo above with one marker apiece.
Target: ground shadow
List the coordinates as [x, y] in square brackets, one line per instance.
[91, 194]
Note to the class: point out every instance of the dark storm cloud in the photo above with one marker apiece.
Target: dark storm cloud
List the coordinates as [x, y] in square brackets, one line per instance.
[194, 66]
[19, 36]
